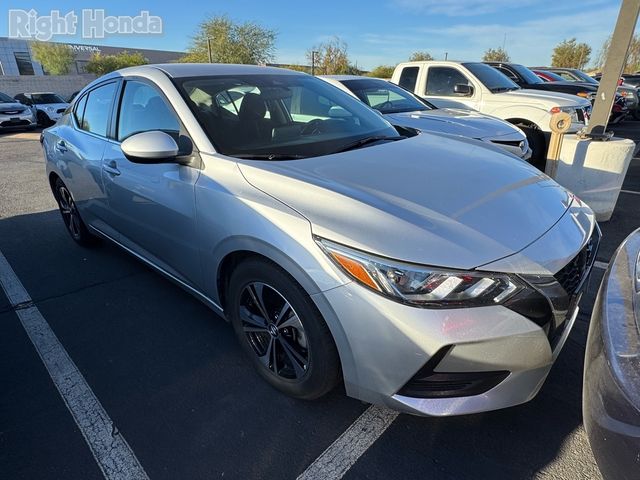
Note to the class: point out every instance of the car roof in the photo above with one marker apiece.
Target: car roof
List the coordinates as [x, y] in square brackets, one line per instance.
[179, 70]
[340, 78]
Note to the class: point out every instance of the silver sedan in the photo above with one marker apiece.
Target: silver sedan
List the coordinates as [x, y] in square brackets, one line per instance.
[432, 274]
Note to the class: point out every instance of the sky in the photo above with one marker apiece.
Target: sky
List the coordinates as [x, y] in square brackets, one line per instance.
[376, 31]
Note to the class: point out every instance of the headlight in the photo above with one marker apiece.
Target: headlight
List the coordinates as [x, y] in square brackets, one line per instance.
[422, 286]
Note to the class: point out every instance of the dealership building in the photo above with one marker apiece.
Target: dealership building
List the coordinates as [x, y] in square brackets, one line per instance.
[16, 57]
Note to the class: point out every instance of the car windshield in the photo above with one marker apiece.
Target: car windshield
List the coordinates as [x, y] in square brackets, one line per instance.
[584, 77]
[553, 76]
[280, 116]
[527, 74]
[491, 78]
[4, 98]
[384, 96]
[43, 98]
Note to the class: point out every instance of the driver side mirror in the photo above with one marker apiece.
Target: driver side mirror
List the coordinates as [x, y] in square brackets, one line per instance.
[463, 90]
[150, 147]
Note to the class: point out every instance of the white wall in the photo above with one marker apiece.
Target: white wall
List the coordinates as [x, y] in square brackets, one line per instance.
[63, 85]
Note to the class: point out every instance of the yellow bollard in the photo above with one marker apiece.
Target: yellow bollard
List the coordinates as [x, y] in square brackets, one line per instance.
[560, 122]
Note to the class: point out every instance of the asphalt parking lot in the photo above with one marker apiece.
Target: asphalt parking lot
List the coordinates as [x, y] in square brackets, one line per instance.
[173, 380]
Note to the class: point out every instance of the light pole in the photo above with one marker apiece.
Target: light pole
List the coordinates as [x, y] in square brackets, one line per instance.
[313, 62]
[209, 49]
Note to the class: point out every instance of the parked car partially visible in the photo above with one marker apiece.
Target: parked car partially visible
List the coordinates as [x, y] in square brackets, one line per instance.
[611, 394]
[14, 115]
[629, 92]
[619, 109]
[405, 109]
[49, 106]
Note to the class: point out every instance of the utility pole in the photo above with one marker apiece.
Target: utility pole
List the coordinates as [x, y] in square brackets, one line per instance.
[446, 55]
[313, 62]
[209, 49]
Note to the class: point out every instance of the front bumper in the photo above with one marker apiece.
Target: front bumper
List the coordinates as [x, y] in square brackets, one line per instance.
[389, 344]
[611, 397]
[17, 121]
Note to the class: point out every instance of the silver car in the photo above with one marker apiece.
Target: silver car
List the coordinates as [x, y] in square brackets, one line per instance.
[405, 109]
[14, 115]
[432, 274]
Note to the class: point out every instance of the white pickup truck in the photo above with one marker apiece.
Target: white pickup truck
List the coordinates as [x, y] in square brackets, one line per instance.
[481, 87]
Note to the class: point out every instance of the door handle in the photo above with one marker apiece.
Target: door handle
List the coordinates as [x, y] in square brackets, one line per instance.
[111, 168]
[61, 146]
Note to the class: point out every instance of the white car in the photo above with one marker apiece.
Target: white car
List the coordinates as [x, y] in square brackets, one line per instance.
[48, 106]
[481, 87]
[403, 108]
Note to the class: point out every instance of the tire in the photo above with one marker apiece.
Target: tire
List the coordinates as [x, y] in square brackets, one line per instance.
[294, 350]
[71, 217]
[43, 119]
[538, 145]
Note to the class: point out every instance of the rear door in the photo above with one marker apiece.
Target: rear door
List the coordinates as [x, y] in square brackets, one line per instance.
[78, 146]
[152, 206]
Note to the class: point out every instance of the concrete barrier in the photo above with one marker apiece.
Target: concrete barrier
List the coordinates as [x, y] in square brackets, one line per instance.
[63, 85]
[595, 170]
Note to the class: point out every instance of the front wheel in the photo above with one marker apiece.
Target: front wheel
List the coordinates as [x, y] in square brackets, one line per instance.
[538, 145]
[281, 330]
[71, 216]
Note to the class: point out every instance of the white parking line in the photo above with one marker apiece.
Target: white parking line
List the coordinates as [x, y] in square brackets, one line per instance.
[600, 265]
[336, 460]
[630, 191]
[109, 448]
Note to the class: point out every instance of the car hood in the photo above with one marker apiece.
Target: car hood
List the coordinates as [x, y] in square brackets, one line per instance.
[55, 106]
[430, 199]
[467, 123]
[549, 99]
[12, 106]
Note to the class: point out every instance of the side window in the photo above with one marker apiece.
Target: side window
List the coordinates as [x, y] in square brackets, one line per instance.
[143, 109]
[409, 78]
[305, 105]
[96, 110]
[442, 80]
[78, 109]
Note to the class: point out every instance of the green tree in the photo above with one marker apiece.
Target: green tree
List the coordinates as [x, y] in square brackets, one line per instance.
[101, 64]
[55, 58]
[571, 54]
[332, 58]
[496, 55]
[420, 57]
[382, 71]
[221, 40]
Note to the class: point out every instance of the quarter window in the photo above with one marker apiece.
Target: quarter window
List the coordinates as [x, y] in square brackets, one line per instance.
[78, 110]
[441, 81]
[144, 109]
[97, 109]
[409, 78]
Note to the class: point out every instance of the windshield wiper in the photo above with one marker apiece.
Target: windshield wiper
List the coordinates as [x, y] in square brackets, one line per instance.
[267, 156]
[367, 140]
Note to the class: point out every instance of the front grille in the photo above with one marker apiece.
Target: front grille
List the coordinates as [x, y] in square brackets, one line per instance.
[512, 143]
[13, 111]
[573, 274]
[61, 110]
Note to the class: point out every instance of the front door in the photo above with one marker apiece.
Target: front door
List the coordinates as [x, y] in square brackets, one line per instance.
[152, 205]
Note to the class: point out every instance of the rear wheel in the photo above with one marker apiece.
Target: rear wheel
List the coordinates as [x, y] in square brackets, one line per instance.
[43, 119]
[70, 215]
[281, 330]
